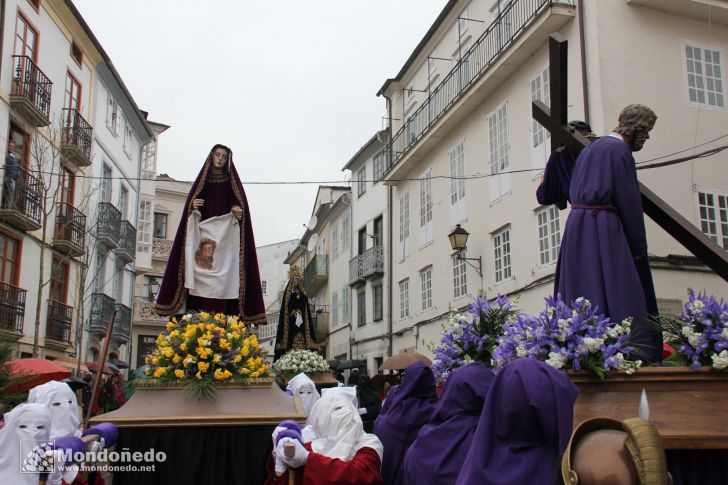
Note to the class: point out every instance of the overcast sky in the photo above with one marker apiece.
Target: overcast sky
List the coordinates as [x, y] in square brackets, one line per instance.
[289, 85]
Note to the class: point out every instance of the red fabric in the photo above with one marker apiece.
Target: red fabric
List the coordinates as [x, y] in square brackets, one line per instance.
[322, 470]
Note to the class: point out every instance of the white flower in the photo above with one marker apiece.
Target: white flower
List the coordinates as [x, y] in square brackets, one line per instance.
[521, 352]
[615, 331]
[724, 333]
[592, 344]
[555, 360]
[720, 361]
[631, 366]
[550, 311]
[699, 305]
[563, 324]
[186, 317]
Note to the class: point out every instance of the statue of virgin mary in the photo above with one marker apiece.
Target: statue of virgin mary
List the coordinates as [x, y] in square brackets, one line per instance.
[213, 264]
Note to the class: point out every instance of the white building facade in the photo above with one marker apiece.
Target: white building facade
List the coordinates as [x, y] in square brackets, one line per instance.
[465, 149]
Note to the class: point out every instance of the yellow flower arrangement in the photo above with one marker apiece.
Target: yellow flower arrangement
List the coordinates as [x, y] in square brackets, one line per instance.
[202, 349]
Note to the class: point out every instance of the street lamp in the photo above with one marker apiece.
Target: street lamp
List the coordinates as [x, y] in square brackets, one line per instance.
[458, 241]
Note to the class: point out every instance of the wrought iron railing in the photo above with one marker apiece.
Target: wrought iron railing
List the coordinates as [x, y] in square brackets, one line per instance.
[12, 307]
[26, 196]
[122, 324]
[127, 238]
[70, 224]
[32, 84]
[58, 326]
[102, 309]
[77, 131]
[356, 269]
[317, 267]
[373, 261]
[512, 20]
[109, 222]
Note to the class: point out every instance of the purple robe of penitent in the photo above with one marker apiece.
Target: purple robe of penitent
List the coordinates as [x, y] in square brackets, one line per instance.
[221, 192]
[438, 453]
[604, 234]
[405, 411]
[524, 426]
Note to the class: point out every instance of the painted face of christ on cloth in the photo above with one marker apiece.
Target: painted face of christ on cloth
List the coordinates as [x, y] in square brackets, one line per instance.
[204, 256]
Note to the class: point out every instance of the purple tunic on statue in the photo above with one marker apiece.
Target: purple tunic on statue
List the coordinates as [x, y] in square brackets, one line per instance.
[554, 189]
[524, 427]
[438, 453]
[604, 233]
[405, 411]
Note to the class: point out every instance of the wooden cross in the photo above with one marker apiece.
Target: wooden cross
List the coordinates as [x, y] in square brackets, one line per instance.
[555, 121]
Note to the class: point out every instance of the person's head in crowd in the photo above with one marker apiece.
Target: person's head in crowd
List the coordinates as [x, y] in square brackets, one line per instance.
[408, 408]
[438, 453]
[303, 387]
[26, 426]
[524, 427]
[63, 407]
[605, 451]
[339, 428]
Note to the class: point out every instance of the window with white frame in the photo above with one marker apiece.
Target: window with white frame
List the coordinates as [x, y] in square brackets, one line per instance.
[361, 308]
[335, 242]
[144, 234]
[713, 215]
[459, 275]
[410, 130]
[149, 158]
[127, 138]
[426, 288]
[106, 183]
[704, 74]
[500, 182]
[539, 135]
[345, 233]
[404, 225]
[361, 178]
[378, 291]
[404, 306]
[456, 160]
[112, 115]
[378, 166]
[502, 254]
[426, 208]
[334, 309]
[549, 234]
[346, 304]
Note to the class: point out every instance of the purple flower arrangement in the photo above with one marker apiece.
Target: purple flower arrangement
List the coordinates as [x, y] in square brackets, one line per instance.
[471, 337]
[569, 337]
[700, 333]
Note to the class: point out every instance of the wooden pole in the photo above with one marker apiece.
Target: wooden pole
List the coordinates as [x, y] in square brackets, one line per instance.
[102, 359]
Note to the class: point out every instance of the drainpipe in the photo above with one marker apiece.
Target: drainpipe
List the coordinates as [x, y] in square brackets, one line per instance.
[390, 257]
[582, 48]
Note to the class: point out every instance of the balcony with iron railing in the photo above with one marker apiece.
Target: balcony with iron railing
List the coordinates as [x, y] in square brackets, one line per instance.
[122, 324]
[356, 271]
[58, 325]
[76, 138]
[373, 262]
[70, 231]
[30, 94]
[316, 273]
[520, 29]
[12, 308]
[108, 229]
[127, 242]
[322, 322]
[21, 201]
[102, 310]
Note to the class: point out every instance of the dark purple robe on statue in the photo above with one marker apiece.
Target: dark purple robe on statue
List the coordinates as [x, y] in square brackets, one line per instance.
[554, 188]
[405, 412]
[221, 192]
[524, 427]
[604, 234]
[438, 453]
